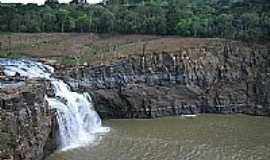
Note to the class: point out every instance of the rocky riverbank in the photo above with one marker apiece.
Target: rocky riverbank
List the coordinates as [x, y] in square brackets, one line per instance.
[222, 77]
[27, 128]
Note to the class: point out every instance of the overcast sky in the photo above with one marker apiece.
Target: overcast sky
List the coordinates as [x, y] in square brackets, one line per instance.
[41, 1]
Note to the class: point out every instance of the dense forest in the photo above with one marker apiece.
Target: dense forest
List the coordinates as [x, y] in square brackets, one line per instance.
[236, 19]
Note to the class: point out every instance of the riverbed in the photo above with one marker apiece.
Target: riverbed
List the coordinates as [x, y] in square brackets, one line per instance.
[205, 137]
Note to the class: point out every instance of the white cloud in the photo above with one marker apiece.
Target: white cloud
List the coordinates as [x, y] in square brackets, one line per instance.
[42, 1]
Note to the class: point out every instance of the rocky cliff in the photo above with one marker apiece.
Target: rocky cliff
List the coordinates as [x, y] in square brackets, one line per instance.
[220, 77]
[27, 125]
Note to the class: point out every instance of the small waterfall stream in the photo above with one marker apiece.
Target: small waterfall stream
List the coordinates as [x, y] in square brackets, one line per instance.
[78, 122]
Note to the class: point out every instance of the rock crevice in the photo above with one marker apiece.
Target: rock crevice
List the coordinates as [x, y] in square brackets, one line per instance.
[27, 128]
[222, 77]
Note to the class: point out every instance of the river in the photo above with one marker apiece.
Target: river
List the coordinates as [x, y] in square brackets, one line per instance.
[205, 137]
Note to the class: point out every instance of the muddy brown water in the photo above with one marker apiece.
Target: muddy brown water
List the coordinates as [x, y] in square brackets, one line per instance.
[205, 137]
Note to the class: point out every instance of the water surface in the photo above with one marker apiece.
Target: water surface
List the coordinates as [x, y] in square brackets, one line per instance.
[206, 137]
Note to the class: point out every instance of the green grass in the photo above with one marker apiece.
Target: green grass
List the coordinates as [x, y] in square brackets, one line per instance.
[7, 54]
[68, 61]
[73, 61]
[5, 33]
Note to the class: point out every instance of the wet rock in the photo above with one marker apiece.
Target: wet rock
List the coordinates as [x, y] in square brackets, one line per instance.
[26, 121]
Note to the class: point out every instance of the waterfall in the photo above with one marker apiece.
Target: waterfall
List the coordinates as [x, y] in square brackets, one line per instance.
[78, 122]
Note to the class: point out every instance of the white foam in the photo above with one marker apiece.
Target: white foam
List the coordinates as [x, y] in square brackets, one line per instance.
[78, 122]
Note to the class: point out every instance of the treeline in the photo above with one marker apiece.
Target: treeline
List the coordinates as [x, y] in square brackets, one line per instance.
[236, 19]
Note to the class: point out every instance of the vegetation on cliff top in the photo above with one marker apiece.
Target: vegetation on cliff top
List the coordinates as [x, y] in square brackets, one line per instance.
[74, 48]
[236, 19]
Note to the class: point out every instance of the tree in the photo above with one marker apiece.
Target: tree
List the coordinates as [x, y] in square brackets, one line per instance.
[82, 23]
[51, 3]
[248, 25]
[102, 19]
[62, 15]
[265, 26]
[183, 27]
[48, 17]
[224, 25]
[70, 24]
[172, 17]
[243, 19]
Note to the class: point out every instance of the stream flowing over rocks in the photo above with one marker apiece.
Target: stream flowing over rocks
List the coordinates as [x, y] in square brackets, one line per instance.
[36, 108]
[77, 121]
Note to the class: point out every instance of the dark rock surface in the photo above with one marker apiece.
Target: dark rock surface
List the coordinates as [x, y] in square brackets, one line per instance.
[222, 77]
[27, 123]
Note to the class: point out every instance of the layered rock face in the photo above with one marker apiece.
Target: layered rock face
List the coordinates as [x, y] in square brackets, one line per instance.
[221, 77]
[27, 125]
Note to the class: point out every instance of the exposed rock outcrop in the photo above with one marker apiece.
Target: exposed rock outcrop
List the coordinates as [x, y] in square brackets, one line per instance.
[221, 77]
[27, 128]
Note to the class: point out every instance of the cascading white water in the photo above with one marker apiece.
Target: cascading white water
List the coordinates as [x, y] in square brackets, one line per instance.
[78, 121]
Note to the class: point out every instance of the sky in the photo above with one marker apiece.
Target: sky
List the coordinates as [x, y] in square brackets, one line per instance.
[41, 1]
